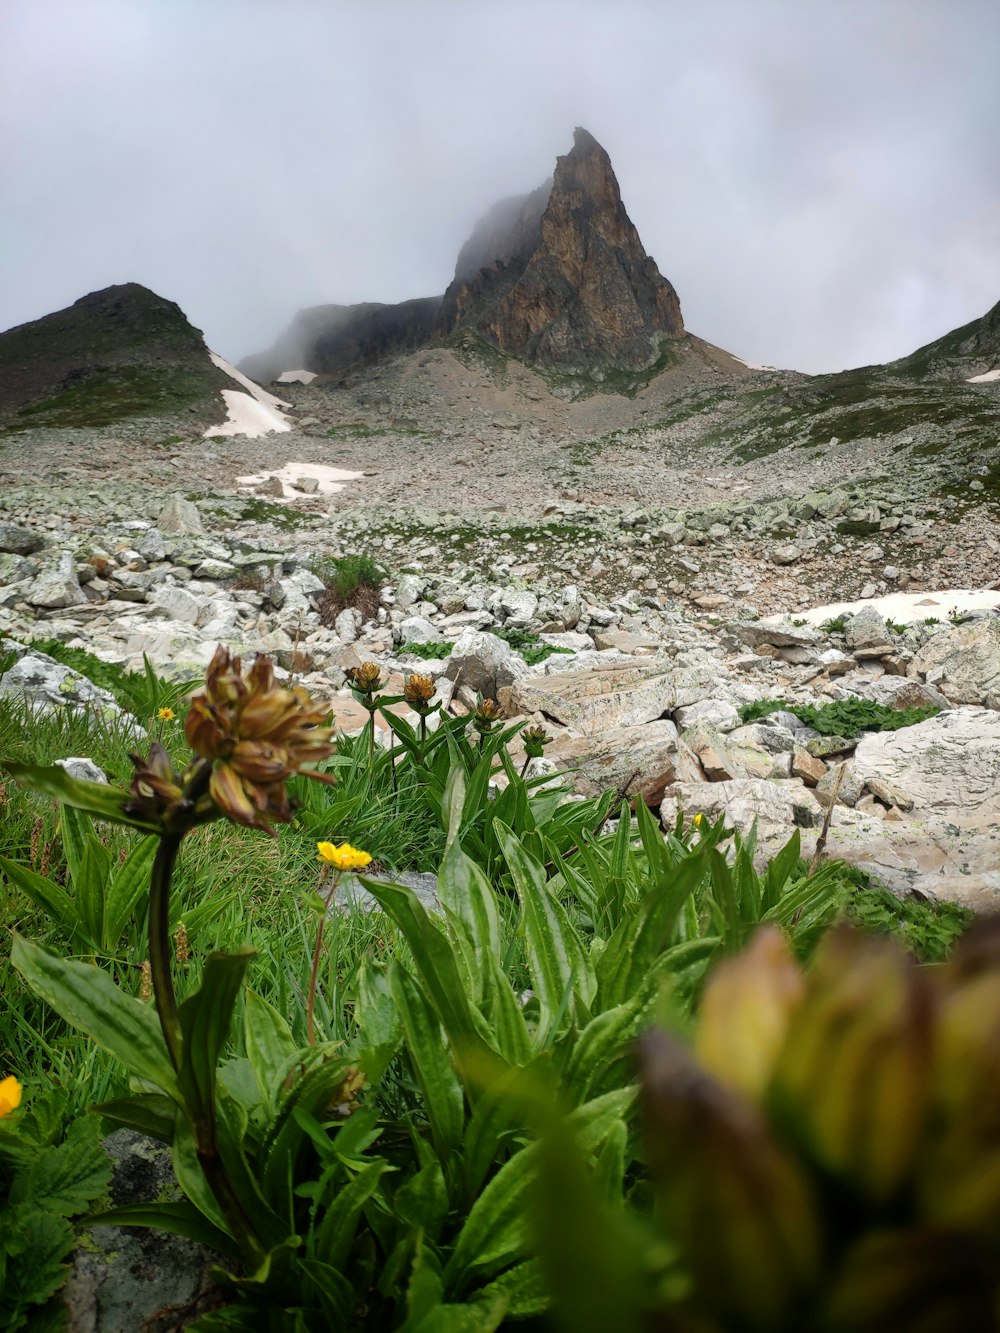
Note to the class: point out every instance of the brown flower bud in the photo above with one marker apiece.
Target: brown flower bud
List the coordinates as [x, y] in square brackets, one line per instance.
[418, 692]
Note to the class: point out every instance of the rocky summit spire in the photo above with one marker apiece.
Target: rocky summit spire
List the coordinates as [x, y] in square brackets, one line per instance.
[572, 286]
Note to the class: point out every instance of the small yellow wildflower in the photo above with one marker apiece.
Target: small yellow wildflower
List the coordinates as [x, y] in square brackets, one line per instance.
[344, 857]
[10, 1095]
[698, 820]
[166, 715]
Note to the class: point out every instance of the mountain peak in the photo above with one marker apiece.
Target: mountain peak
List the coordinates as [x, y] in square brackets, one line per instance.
[574, 290]
[557, 277]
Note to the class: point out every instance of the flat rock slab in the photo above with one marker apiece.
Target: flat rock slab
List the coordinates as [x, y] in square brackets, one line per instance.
[777, 807]
[597, 701]
[950, 860]
[634, 761]
[948, 765]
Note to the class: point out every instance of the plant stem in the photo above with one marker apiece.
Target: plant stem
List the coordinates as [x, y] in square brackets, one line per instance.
[213, 1168]
[159, 943]
[315, 961]
[371, 738]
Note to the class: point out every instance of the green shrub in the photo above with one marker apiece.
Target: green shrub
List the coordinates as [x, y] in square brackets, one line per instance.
[527, 644]
[843, 717]
[836, 624]
[351, 581]
[427, 652]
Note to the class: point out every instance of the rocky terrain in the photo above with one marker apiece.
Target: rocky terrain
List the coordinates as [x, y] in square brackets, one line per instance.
[585, 512]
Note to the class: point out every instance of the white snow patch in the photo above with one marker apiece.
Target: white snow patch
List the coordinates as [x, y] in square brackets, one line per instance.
[248, 416]
[751, 365]
[985, 378]
[296, 377]
[904, 607]
[331, 479]
[254, 413]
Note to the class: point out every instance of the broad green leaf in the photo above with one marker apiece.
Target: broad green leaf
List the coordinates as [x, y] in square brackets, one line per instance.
[524, 1289]
[452, 804]
[638, 940]
[131, 881]
[556, 955]
[91, 885]
[467, 893]
[88, 999]
[97, 798]
[75, 828]
[191, 1178]
[287, 1140]
[723, 889]
[423, 1291]
[38, 1271]
[205, 1017]
[602, 1041]
[67, 1178]
[478, 1317]
[331, 1241]
[181, 1218]
[506, 1017]
[434, 956]
[423, 1200]
[148, 1112]
[52, 898]
[429, 1055]
[591, 1258]
[378, 1022]
[780, 870]
[271, 1048]
[495, 1231]
[489, 1133]
[329, 1289]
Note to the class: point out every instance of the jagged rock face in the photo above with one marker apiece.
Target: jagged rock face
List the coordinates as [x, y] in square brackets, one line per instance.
[390, 330]
[580, 293]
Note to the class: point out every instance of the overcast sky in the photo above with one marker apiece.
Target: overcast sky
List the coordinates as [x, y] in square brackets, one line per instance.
[819, 179]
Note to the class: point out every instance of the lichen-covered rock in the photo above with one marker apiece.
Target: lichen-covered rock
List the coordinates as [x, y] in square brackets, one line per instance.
[124, 1277]
[963, 663]
[58, 587]
[485, 664]
[45, 685]
[950, 763]
[16, 540]
[179, 517]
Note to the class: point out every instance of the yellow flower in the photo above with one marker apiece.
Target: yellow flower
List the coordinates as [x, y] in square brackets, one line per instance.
[10, 1095]
[698, 820]
[344, 857]
[166, 715]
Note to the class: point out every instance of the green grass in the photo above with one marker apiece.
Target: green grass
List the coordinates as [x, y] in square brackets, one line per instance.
[345, 574]
[105, 396]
